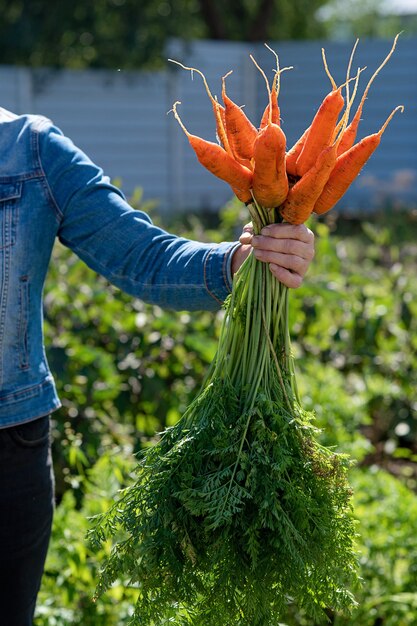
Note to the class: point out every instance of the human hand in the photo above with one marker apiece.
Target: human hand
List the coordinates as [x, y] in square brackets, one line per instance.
[288, 248]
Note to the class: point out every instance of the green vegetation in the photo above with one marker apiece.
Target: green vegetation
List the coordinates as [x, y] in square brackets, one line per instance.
[367, 18]
[128, 34]
[238, 507]
[125, 370]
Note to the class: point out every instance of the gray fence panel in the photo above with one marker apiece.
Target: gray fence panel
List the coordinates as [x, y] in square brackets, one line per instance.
[122, 120]
[117, 118]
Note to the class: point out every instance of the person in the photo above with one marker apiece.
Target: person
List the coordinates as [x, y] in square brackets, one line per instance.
[50, 189]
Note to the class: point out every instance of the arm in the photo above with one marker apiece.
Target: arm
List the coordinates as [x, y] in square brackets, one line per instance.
[122, 244]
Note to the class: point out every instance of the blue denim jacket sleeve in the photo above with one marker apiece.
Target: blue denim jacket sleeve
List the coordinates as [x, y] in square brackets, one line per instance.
[123, 244]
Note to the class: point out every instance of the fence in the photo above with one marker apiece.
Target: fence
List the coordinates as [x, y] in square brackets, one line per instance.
[121, 119]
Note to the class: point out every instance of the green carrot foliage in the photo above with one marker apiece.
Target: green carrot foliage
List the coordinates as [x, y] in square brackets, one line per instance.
[238, 511]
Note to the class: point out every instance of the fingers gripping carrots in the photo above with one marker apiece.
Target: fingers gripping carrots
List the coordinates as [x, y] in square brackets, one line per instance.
[309, 177]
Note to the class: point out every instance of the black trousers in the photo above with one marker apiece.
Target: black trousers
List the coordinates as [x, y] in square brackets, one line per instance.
[26, 509]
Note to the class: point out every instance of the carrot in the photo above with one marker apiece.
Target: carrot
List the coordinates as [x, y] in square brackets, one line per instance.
[271, 111]
[344, 121]
[321, 131]
[293, 154]
[215, 158]
[350, 133]
[322, 128]
[347, 167]
[241, 133]
[302, 197]
[270, 182]
[218, 109]
[295, 151]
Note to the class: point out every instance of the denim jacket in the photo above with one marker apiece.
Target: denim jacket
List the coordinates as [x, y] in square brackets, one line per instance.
[49, 188]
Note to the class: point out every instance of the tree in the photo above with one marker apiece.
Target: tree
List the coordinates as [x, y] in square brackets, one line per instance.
[260, 20]
[129, 34]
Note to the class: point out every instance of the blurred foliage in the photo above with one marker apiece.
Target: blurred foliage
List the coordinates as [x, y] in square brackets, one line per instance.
[129, 34]
[105, 33]
[71, 569]
[125, 370]
[367, 18]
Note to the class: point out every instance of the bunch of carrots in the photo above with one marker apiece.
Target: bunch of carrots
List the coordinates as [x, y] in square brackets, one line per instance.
[310, 177]
[238, 511]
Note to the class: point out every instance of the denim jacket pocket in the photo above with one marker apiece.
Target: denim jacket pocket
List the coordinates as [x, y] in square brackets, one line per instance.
[9, 194]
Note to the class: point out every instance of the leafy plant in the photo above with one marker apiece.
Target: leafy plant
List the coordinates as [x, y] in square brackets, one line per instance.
[354, 335]
[66, 597]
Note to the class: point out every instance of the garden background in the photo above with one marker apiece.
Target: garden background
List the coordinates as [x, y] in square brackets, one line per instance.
[125, 370]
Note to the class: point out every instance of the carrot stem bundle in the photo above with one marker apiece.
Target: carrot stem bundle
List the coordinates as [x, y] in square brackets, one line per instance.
[237, 510]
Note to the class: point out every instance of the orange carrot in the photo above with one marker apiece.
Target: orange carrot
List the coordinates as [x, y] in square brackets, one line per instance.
[220, 163]
[348, 165]
[218, 109]
[270, 182]
[349, 135]
[241, 133]
[322, 127]
[294, 153]
[271, 112]
[302, 197]
[321, 131]
[341, 127]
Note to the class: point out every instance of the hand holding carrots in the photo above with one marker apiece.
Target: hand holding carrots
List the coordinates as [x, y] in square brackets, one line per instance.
[287, 248]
